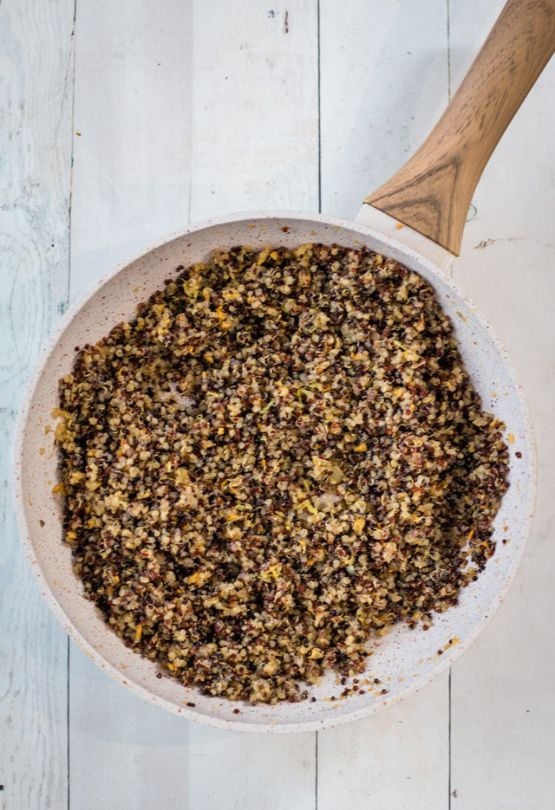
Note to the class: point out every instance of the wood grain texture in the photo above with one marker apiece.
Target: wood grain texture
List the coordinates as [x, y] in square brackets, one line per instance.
[255, 146]
[229, 770]
[132, 153]
[255, 109]
[192, 109]
[433, 190]
[503, 714]
[36, 88]
[133, 131]
[382, 88]
[150, 98]
[397, 760]
[125, 753]
[377, 104]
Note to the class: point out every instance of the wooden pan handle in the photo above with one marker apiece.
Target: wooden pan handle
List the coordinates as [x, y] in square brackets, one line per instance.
[433, 190]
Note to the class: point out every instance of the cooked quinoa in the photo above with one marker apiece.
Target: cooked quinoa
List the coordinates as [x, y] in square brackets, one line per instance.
[280, 457]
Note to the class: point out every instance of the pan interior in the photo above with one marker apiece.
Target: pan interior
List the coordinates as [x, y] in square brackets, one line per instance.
[403, 660]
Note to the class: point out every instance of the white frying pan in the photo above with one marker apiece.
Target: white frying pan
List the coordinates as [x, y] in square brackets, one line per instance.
[427, 203]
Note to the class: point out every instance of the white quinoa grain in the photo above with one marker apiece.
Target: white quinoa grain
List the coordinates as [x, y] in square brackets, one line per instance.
[277, 459]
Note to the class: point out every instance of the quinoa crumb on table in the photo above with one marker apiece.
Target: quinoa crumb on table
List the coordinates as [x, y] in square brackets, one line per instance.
[280, 457]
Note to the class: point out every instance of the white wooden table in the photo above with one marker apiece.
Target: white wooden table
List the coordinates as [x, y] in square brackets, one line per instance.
[121, 122]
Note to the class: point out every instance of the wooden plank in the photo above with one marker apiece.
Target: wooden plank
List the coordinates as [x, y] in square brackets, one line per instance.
[130, 189]
[125, 753]
[382, 89]
[255, 136]
[229, 770]
[396, 760]
[36, 88]
[133, 97]
[503, 714]
[255, 146]
[383, 86]
[131, 186]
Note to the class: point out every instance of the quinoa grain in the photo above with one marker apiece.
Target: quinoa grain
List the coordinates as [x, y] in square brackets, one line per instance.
[280, 457]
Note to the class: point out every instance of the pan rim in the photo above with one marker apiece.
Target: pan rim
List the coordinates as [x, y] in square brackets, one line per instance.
[49, 593]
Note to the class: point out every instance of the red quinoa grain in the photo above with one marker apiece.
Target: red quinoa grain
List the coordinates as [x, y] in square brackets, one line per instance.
[280, 457]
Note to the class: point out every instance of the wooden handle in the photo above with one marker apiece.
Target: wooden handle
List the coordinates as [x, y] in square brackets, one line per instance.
[433, 190]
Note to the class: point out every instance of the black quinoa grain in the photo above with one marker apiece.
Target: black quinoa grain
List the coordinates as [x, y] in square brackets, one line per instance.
[280, 457]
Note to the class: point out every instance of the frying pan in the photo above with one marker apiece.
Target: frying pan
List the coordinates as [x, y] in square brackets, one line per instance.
[417, 218]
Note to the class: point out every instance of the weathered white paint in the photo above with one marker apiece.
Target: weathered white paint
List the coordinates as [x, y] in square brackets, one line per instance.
[230, 770]
[124, 753]
[131, 177]
[146, 129]
[397, 760]
[255, 145]
[503, 712]
[381, 91]
[132, 130]
[255, 107]
[383, 83]
[36, 84]
[150, 99]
